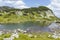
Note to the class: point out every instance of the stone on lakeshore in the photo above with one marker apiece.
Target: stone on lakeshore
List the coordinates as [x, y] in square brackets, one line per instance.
[7, 39]
[15, 35]
[30, 35]
[55, 36]
[20, 30]
[35, 36]
[1, 32]
[49, 35]
[24, 31]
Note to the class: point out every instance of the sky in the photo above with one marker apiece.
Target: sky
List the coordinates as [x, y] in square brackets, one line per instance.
[52, 4]
[55, 6]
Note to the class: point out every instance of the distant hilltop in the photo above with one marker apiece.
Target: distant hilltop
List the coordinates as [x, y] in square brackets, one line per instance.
[41, 13]
[39, 10]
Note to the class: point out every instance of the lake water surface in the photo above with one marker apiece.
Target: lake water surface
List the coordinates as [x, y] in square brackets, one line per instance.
[29, 25]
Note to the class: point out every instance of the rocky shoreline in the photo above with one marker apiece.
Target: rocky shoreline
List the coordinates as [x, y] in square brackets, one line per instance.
[17, 33]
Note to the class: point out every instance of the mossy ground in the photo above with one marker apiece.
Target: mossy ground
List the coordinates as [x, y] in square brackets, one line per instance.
[43, 36]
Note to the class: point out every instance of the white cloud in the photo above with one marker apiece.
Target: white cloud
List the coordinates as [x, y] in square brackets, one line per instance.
[55, 6]
[17, 4]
